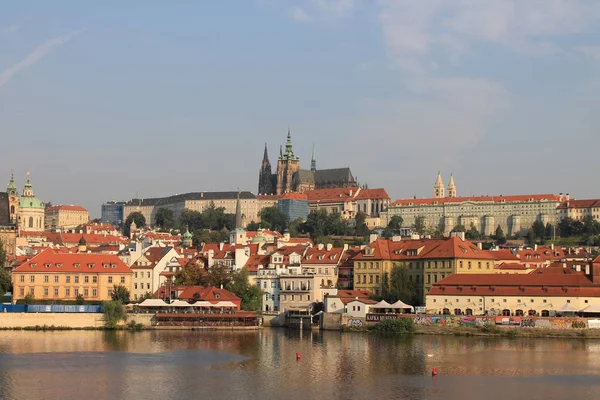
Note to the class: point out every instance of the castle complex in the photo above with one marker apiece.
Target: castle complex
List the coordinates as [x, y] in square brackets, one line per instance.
[290, 178]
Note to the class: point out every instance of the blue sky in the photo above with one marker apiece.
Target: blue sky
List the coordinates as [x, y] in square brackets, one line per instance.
[103, 101]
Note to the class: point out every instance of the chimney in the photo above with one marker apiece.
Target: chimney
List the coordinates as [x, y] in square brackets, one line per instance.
[221, 246]
[535, 247]
[578, 268]
[552, 246]
[329, 246]
[320, 246]
[480, 245]
[564, 265]
[345, 246]
[372, 237]
[396, 238]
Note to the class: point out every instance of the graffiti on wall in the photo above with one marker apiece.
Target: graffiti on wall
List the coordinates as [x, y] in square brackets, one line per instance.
[355, 323]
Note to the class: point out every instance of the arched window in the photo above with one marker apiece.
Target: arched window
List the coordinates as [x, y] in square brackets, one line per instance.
[506, 313]
[545, 313]
[31, 222]
[519, 313]
[532, 313]
[469, 311]
[12, 209]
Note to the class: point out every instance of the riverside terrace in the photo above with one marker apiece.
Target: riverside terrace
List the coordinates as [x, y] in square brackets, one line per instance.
[199, 314]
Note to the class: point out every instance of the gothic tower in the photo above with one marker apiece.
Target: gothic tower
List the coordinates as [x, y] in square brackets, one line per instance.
[265, 177]
[438, 187]
[13, 199]
[313, 161]
[451, 187]
[287, 165]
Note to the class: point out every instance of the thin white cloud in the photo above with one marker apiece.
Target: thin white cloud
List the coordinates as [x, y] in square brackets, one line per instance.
[300, 15]
[590, 51]
[33, 57]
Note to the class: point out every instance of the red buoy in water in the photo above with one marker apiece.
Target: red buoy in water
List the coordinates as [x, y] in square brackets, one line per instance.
[434, 372]
[298, 356]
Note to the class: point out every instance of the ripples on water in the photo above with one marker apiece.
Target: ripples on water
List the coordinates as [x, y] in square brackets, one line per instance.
[262, 365]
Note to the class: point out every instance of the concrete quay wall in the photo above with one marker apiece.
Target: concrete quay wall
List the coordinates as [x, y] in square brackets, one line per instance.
[69, 320]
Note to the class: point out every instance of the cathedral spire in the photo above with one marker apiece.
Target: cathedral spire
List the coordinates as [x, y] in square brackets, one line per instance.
[289, 152]
[238, 212]
[28, 189]
[451, 187]
[438, 187]
[313, 160]
[266, 156]
[11, 188]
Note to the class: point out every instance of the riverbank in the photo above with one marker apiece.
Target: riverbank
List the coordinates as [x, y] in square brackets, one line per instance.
[509, 332]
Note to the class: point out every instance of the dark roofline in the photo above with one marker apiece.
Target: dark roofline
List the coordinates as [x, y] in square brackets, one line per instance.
[191, 196]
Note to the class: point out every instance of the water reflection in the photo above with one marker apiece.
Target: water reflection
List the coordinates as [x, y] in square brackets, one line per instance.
[259, 365]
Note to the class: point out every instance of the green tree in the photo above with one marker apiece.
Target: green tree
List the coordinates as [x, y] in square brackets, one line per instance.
[253, 226]
[3, 256]
[191, 219]
[538, 228]
[360, 226]
[218, 275]
[400, 286]
[120, 293]
[192, 274]
[459, 228]
[5, 282]
[114, 312]
[500, 237]
[395, 223]
[138, 217]
[79, 300]
[419, 225]
[472, 233]
[316, 223]
[549, 230]
[530, 236]
[145, 296]
[164, 218]
[273, 218]
[28, 299]
[251, 295]
[294, 227]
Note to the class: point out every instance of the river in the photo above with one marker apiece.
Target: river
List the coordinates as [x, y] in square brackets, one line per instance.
[262, 365]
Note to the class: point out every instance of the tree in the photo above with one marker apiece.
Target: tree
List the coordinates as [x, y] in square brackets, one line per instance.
[538, 228]
[191, 274]
[145, 296]
[549, 230]
[218, 275]
[273, 218]
[315, 223]
[191, 219]
[472, 233]
[591, 227]
[253, 226]
[500, 237]
[138, 217]
[120, 293]
[419, 225]
[251, 295]
[114, 312]
[395, 223]
[164, 218]
[530, 236]
[28, 299]
[459, 228]
[5, 282]
[294, 227]
[79, 300]
[360, 226]
[3, 256]
[400, 286]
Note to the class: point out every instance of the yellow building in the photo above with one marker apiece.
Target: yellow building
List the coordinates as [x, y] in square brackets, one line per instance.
[541, 293]
[65, 217]
[427, 261]
[63, 276]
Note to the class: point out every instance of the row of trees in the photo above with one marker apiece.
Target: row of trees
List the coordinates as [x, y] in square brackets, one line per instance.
[5, 282]
[398, 286]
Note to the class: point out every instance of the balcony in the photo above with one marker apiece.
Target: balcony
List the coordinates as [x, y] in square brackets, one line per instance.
[299, 289]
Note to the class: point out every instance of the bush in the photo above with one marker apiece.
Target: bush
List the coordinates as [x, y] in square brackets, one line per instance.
[489, 328]
[512, 333]
[114, 312]
[400, 325]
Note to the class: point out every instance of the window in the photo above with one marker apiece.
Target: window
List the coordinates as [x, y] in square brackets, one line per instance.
[122, 279]
[94, 292]
[147, 286]
[469, 265]
[545, 301]
[55, 292]
[85, 292]
[31, 291]
[370, 278]
[110, 279]
[76, 278]
[358, 308]
[135, 285]
[86, 279]
[264, 285]
[585, 301]
[22, 291]
[376, 278]
[504, 301]
[55, 278]
[45, 292]
[136, 274]
[22, 278]
[46, 278]
[94, 279]
[67, 292]
[460, 264]
[272, 284]
[148, 274]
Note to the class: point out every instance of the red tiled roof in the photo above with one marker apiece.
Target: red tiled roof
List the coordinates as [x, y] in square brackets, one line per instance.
[332, 195]
[90, 238]
[503, 254]
[66, 207]
[50, 260]
[579, 204]
[255, 260]
[487, 199]
[315, 256]
[295, 196]
[373, 194]
[210, 293]
[511, 266]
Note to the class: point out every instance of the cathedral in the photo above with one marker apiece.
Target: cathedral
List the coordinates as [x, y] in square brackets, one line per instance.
[290, 178]
[26, 211]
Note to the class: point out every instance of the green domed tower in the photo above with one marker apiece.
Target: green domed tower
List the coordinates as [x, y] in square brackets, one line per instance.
[31, 210]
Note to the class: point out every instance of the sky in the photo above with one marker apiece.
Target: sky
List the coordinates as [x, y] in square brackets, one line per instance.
[113, 100]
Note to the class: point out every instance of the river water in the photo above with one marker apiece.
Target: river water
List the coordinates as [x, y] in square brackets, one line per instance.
[262, 365]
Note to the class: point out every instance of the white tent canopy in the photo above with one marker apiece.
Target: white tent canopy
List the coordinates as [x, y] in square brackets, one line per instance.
[225, 304]
[567, 308]
[180, 303]
[402, 305]
[382, 304]
[202, 304]
[153, 303]
[594, 308]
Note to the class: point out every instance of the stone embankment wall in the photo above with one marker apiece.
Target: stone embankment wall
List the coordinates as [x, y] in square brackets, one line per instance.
[333, 322]
[70, 320]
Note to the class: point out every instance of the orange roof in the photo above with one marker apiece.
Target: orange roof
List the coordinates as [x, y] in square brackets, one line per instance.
[511, 266]
[332, 195]
[50, 260]
[66, 207]
[210, 293]
[580, 204]
[90, 238]
[315, 256]
[373, 194]
[486, 199]
[504, 254]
